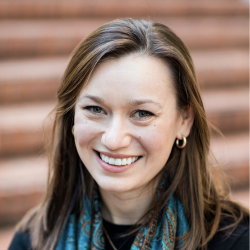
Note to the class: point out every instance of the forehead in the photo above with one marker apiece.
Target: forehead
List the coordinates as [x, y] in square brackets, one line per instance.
[133, 75]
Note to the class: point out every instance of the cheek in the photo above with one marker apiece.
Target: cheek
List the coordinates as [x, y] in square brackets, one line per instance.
[158, 141]
[85, 130]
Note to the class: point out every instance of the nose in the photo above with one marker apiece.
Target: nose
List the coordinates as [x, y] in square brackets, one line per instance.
[116, 135]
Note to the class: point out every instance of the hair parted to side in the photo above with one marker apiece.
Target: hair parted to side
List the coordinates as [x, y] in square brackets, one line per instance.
[187, 170]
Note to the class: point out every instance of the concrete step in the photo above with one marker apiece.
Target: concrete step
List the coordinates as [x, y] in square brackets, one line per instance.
[232, 155]
[222, 68]
[34, 79]
[38, 79]
[6, 235]
[23, 180]
[22, 38]
[228, 110]
[22, 185]
[241, 196]
[22, 125]
[22, 128]
[84, 8]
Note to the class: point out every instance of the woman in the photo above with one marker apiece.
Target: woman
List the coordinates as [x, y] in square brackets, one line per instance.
[129, 152]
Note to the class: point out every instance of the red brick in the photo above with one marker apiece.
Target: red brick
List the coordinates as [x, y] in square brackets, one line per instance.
[232, 153]
[87, 8]
[23, 127]
[56, 37]
[228, 109]
[30, 80]
[38, 79]
[241, 196]
[222, 68]
[22, 185]
[6, 234]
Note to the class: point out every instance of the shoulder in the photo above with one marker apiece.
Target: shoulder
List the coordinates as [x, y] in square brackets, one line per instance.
[231, 240]
[20, 241]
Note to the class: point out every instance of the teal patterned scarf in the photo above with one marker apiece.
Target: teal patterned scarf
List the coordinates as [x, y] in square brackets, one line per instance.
[159, 233]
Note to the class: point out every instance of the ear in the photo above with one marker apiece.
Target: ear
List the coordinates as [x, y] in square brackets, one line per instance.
[187, 120]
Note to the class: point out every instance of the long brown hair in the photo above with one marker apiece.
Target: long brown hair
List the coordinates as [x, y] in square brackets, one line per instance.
[188, 170]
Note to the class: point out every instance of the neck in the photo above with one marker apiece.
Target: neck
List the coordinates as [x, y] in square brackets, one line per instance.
[126, 208]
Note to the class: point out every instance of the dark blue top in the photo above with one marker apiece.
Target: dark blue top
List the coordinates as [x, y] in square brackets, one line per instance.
[238, 240]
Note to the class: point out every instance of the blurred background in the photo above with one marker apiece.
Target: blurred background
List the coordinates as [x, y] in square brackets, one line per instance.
[36, 39]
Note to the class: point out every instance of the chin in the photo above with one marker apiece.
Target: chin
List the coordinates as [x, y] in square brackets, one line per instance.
[115, 185]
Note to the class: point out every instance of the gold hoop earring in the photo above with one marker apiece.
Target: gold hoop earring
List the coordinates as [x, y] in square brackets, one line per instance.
[183, 144]
[72, 130]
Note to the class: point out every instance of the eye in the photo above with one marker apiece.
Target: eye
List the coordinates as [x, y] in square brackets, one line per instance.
[142, 114]
[94, 109]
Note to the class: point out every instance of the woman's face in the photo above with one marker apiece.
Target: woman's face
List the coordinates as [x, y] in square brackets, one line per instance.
[126, 122]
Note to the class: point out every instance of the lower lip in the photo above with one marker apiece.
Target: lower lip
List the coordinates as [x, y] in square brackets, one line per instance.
[114, 169]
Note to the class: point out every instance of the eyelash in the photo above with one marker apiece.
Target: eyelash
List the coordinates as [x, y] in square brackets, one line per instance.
[139, 110]
[90, 109]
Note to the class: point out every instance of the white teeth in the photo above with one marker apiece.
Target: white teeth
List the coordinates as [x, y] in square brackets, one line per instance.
[111, 161]
[118, 161]
[124, 161]
[129, 161]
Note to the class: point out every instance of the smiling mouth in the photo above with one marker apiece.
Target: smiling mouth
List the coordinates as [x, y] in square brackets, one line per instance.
[118, 161]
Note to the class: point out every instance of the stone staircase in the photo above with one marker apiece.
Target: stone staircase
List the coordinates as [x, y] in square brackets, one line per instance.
[36, 39]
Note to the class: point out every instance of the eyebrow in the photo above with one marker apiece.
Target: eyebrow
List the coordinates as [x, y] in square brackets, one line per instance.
[131, 102]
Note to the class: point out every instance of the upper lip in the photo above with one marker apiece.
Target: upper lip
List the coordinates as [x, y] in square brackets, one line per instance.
[117, 155]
